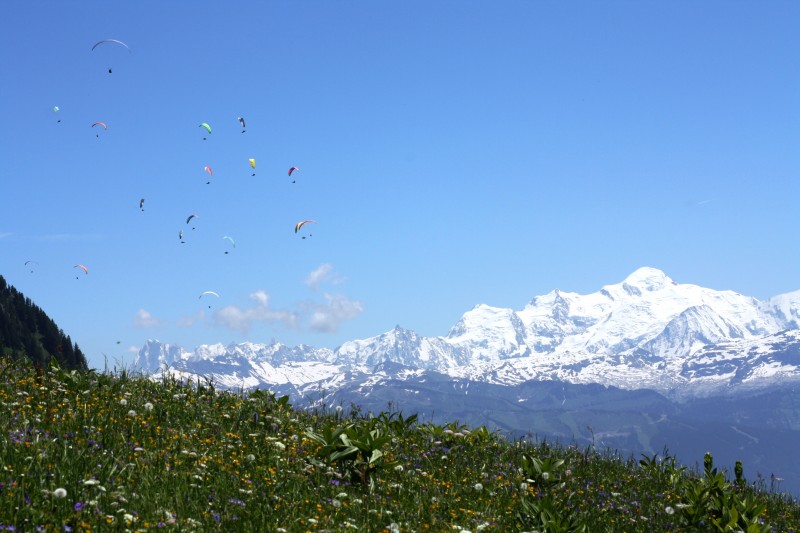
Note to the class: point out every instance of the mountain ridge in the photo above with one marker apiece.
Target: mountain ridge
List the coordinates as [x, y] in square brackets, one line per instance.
[647, 331]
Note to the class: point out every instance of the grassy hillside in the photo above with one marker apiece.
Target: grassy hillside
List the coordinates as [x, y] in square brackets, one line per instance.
[83, 451]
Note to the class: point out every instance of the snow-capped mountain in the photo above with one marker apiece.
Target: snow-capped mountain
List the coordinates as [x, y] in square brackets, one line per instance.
[646, 332]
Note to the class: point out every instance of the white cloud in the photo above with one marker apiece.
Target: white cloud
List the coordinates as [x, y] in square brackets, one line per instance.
[144, 319]
[323, 273]
[241, 319]
[329, 316]
[190, 320]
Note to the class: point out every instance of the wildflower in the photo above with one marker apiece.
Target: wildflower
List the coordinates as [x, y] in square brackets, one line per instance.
[280, 445]
[393, 528]
[90, 482]
[123, 402]
[523, 487]
[148, 406]
[478, 486]
[78, 506]
[131, 413]
[669, 510]
[60, 493]
[398, 468]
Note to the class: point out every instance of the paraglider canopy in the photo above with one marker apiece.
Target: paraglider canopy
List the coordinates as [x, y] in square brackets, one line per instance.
[85, 270]
[207, 127]
[141, 204]
[100, 124]
[115, 41]
[241, 121]
[301, 224]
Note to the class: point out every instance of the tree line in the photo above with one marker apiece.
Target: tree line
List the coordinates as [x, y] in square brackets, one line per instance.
[27, 332]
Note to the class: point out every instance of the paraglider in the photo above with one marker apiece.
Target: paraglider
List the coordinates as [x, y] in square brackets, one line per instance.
[100, 124]
[210, 172]
[233, 243]
[253, 165]
[31, 262]
[292, 170]
[207, 127]
[113, 41]
[190, 218]
[301, 224]
[85, 270]
[241, 121]
[211, 293]
[180, 236]
[141, 204]
[56, 110]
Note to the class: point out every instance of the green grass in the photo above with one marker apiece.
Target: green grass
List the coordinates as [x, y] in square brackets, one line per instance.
[115, 452]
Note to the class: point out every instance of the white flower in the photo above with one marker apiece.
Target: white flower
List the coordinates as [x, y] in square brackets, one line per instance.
[523, 487]
[669, 510]
[394, 528]
[91, 482]
[250, 458]
[131, 413]
[123, 402]
[148, 406]
[312, 521]
[280, 445]
[60, 493]
[545, 475]
[398, 468]
[336, 503]
[477, 486]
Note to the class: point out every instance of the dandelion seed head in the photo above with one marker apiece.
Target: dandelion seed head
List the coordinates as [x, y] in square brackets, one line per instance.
[60, 493]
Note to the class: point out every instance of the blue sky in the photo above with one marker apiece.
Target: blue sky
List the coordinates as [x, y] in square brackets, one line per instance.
[451, 152]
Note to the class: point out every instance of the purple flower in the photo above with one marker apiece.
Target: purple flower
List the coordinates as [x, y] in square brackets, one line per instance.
[78, 506]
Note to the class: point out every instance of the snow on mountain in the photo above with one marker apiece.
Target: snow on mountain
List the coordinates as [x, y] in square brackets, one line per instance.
[400, 346]
[489, 334]
[155, 357]
[647, 331]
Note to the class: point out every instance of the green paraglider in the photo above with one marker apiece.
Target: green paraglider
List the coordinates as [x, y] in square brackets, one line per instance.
[207, 127]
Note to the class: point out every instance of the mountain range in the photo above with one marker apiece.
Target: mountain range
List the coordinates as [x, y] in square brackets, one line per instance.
[638, 366]
[646, 332]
